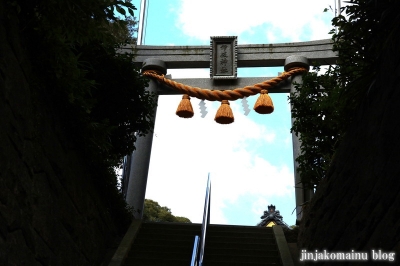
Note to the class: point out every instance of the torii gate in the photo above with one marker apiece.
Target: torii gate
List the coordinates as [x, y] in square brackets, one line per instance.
[160, 58]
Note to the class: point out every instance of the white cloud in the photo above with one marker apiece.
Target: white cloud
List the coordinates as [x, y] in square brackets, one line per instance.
[279, 19]
[259, 206]
[185, 150]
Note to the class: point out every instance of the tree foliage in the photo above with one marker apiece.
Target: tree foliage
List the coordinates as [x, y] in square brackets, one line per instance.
[322, 116]
[97, 93]
[318, 123]
[153, 212]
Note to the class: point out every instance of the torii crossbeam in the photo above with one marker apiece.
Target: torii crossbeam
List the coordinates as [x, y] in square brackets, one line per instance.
[253, 55]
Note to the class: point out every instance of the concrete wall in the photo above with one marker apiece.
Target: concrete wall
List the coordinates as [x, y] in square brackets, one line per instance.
[50, 212]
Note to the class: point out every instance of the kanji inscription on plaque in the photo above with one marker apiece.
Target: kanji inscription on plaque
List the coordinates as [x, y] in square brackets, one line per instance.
[223, 55]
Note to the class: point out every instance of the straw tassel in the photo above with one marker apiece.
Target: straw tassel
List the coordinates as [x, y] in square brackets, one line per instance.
[224, 114]
[185, 109]
[264, 103]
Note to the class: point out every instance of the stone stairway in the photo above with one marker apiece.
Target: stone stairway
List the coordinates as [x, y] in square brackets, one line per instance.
[163, 244]
[240, 245]
[159, 244]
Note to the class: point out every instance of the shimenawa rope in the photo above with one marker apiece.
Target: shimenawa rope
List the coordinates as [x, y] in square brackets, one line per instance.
[224, 114]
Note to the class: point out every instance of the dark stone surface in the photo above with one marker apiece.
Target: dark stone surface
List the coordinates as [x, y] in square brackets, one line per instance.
[50, 212]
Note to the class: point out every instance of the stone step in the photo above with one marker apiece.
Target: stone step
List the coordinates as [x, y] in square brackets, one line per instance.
[157, 262]
[210, 231]
[172, 244]
[232, 258]
[177, 243]
[162, 248]
[222, 243]
[247, 263]
[170, 226]
[211, 227]
[240, 252]
[242, 238]
[157, 254]
[240, 228]
[167, 235]
[260, 234]
[209, 261]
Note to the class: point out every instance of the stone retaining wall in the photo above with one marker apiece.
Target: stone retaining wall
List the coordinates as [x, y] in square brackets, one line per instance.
[358, 205]
[50, 212]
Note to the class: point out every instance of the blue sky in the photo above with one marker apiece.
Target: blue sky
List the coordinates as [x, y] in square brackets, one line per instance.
[251, 160]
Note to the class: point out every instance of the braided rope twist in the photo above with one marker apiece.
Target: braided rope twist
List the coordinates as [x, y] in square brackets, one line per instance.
[218, 95]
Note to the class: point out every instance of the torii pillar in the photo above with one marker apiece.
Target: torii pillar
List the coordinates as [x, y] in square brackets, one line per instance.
[140, 159]
[302, 193]
[254, 55]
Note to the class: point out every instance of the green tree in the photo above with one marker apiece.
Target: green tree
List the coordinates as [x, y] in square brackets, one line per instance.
[153, 212]
[96, 93]
[99, 93]
[322, 116]
[320, 123]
